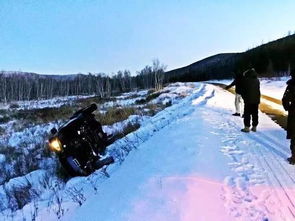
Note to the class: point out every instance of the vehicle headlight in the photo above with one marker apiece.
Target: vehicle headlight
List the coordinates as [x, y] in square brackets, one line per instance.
[55, 145]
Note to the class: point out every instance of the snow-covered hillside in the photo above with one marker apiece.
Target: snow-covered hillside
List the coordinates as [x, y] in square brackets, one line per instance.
[188, 162]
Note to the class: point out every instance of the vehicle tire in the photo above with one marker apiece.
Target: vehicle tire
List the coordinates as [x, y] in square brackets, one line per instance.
[71, 168]
[106, 161]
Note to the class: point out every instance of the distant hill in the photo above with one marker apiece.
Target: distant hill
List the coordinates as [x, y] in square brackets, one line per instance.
[271, 59]
[216, 66]
[33, 76]
[275, 58]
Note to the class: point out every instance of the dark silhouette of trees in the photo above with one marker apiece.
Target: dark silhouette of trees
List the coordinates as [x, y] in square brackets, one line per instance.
[272, 59]
[18, 86]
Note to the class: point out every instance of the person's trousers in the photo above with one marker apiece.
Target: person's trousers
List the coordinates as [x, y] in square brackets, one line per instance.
[292, 147]
[251, 111]
[239, 103]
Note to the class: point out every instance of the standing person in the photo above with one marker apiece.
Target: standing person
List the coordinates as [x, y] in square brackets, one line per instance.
[238, 98]
[289, 105]
[250, 92]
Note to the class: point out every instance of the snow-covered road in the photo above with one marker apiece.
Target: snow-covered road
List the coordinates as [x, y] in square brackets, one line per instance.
[200, 167]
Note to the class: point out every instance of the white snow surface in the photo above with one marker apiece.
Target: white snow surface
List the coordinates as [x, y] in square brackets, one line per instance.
[43, 103]
[188, 162]
[2, 158]
[126, 99]
[174, 92]
[272, 87]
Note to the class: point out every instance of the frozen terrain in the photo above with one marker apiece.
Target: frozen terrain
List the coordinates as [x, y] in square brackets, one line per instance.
[200, 167]
[273, 87]
[29, 173]
[188, 162]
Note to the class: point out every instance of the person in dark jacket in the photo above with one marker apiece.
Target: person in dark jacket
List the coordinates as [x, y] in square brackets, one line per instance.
[288, 101]
[238, 98]
[250, 92]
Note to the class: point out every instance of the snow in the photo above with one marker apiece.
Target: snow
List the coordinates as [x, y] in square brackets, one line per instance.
[119, 126]
[39, 104]
[132, 94]
[2, 158]
[173, 93]
[274, 87]
[126, 99]
[188, 162]
[170, 94]
[200, 167]
[271, 87]
[33, 177]
[120, 102]
[30, 135]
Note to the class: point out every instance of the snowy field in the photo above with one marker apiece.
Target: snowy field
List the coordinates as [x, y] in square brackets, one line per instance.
[34, 104]
[200, 167]
[273, 87]
[28, 173]
[188, 162]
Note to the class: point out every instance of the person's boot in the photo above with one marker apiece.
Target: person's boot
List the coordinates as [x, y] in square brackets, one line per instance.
[291, 160]
[246, 129]
[292, 148]
[254, 129]
[236, 114]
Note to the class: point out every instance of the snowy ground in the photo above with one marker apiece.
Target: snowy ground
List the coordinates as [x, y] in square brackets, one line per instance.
[188, 162]
[200, 167]
[34, 104]
[270, 87]
[273, 87]
[28, 172]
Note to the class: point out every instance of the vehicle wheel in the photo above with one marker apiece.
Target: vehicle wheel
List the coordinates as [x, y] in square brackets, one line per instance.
[71, 168]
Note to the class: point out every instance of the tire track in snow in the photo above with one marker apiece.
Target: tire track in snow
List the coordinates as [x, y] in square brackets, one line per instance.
[276, 154]
[285, 151]
[238, 157]
[209, 92]
[239, 199]
[273, 197]
[282, 185]
[277, 178]
[238, 192]
[273, 180]
[276, 167]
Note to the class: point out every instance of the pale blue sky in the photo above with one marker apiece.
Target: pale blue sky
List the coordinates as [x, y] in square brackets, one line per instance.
[71, 36]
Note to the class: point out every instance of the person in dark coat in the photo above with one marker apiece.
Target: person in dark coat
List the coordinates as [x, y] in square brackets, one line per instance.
[238, 98]
[288, 101]
[250, 92]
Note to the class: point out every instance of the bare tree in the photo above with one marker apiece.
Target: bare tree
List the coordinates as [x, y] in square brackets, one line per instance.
[158, 71]
[17, 86]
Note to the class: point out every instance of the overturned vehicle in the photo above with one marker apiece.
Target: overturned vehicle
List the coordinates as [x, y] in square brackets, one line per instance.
[80, 143]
